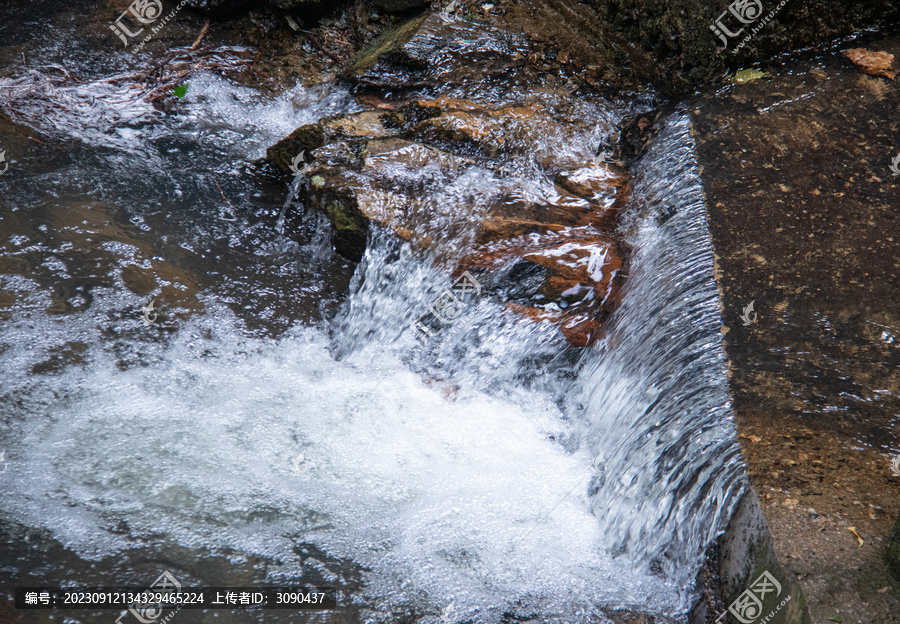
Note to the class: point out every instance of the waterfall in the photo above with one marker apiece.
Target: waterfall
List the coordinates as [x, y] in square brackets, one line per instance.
[490, 472]
[652, 401]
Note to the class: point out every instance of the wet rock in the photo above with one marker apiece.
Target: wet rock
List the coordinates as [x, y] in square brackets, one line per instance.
[673, 45]
[513, 215]
[745, 155]
[520, 279]
[872, 63]
[584, 275]
[634, 135]
[593, 181]
[383, 181]
[303, 139]
[678, 34]
[365, 168]
[435, 50]
[746, 552]
[601, 184]
[580, 271]
[529, 129]
[365, 124]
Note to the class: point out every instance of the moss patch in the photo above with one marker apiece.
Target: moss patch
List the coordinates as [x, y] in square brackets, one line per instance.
[344, 218]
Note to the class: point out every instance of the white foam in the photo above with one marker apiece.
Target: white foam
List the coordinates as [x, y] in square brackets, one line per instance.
[471, 500]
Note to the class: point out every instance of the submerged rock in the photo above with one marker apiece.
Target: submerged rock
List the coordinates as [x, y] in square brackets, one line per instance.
[872, 63]
[571, 279]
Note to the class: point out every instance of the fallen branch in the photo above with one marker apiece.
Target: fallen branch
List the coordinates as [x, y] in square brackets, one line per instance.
[318, 46]
[202, 34]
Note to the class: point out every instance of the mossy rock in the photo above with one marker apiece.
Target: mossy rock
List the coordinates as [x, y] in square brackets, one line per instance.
[344, 217]
[350, 229]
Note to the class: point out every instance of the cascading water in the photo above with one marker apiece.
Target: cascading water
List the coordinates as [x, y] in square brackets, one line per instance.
[654, 408]
[455, 478]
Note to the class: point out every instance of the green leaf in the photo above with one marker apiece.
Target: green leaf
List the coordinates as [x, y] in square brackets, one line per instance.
[836, 618]
[180, 90]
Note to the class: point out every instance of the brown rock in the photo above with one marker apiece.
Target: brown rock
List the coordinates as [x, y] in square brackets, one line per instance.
[872, 63]
[582, 278]
[595, 181]
[602, 185]
[512, 216]
[552, 243]
[377, 185]
[519, 129]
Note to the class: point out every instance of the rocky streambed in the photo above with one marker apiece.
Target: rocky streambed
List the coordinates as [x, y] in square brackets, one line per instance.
[538, 249]
[514, 175]
[498, 172]
[514, 151]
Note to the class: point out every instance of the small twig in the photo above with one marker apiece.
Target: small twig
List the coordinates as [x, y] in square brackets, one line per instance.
[202, 34]
[315, 42]
[212, 175]
[158, 66]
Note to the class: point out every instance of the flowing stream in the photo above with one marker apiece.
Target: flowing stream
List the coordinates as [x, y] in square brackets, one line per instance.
[266, 427]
